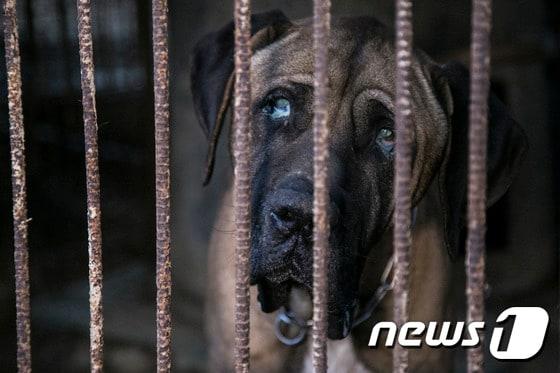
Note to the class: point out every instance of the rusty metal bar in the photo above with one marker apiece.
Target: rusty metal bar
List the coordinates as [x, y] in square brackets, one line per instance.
[19, 193]
[163, 205]
[242, 182]
[402, 239]
[93, 185]
[321, 30]
[478, 131]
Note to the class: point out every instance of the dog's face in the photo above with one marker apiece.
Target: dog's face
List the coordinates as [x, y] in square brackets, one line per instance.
[362, 139]
[361, 145]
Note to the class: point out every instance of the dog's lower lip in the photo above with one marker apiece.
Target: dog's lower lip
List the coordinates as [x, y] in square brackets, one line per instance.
[272, 296]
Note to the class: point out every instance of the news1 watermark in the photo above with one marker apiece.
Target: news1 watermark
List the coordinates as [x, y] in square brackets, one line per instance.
[526, 337]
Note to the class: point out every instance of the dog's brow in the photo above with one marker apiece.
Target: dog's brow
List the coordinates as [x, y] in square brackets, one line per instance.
[306, 79]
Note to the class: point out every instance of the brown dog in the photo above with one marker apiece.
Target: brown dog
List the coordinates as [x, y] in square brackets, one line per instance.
[361, 81]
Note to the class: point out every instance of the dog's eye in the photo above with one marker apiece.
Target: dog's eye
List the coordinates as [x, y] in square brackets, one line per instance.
[277, 108]
[386, 139]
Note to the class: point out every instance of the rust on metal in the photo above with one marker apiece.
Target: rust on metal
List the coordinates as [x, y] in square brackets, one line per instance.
[92, 184]
[19, 193]
[402, 239]
[242, 182]
[478, 131]
[163, 206]
[321, 31]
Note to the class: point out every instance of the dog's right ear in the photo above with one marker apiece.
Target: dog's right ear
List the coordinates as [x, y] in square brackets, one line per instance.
[212, 73]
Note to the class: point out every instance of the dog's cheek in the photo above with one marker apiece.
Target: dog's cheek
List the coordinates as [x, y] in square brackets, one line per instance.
[380, 197]
[343, 272]
[370, 219]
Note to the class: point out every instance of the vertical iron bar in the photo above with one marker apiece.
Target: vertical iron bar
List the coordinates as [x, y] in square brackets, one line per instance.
[92, 184]
[478, 130]
[163, 207]
[402, 238]
[321, 30]
[19, 193]
[242, 183]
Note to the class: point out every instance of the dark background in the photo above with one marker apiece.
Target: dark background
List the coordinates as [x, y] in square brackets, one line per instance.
[526, 74]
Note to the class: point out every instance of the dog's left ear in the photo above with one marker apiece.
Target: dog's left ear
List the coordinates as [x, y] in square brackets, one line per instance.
[507, 145]
[212, 73]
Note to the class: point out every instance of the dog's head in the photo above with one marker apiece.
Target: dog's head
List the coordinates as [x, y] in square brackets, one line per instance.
[361, 144]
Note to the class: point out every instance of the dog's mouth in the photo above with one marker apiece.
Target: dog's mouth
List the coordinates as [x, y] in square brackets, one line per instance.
[277, 278]
[297, 299]
[273, 296]
[277, 287]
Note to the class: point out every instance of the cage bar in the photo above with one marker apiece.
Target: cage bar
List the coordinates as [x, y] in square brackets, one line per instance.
[242, 182]
[321, 30]
[92, 186]
[163, 205]
[402, 239]
[478, 131]
[19, 192]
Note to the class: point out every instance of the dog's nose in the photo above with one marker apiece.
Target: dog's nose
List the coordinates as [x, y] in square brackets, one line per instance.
[290, 220]
[290, 208]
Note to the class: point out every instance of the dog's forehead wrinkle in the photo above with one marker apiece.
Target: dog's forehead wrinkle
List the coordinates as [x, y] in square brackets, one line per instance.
[293, 54]
[380, 95]
[262, 56]
[288, 54]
